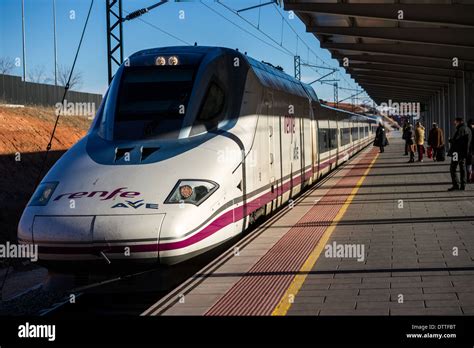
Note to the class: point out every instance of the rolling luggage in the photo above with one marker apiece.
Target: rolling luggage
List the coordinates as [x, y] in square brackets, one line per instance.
[430, 152]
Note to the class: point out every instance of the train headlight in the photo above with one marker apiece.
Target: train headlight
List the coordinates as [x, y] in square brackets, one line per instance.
[173, 60]
[191, 191]
[160, 61]
[43, 194]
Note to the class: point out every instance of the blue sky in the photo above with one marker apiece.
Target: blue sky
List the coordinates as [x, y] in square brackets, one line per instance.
[200, 25]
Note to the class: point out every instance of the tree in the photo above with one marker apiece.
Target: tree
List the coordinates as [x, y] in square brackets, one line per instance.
[63, 76]
[38, 74]
[7, 64]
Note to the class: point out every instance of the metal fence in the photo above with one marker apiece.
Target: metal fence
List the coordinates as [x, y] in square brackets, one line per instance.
[14, 91]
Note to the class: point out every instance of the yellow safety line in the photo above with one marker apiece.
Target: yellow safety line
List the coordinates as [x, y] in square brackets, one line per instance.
[295, 286]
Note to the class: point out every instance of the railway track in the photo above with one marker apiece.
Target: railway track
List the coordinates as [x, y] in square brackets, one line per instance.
[131, 294]
[127, 294]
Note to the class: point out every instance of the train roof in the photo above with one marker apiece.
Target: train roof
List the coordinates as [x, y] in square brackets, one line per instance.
[371, 118]
[268, 75]
[277, 79]
[182, 50]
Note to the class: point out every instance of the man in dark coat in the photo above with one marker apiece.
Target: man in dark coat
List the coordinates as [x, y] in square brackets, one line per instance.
[409, 137]
[459, 150]
[404, 128]
[380, 137]
[436, 140]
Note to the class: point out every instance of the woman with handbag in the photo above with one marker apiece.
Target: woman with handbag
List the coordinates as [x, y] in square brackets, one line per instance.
[420, 140]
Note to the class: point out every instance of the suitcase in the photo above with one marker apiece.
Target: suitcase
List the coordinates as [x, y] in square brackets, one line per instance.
[441, 154]
[430, 152]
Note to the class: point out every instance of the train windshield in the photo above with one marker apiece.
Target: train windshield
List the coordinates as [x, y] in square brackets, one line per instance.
[151, 102]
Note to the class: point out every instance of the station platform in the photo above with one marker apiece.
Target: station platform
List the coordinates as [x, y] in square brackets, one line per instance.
[379, 236]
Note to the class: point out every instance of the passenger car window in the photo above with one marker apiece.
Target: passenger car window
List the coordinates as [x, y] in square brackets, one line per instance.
[323, 140]
[333, 138]
[355, 133]
[345, 136]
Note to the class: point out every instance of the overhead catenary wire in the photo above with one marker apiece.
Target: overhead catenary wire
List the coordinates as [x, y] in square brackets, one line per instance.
[298, 37]
[282, 31]
[276, 45]
[286, 50]
[245, 30]
[160, 29]
[273, 44]
[216, 12]
[142, 11]
[259, 14]
[66, 89]
[280, 44]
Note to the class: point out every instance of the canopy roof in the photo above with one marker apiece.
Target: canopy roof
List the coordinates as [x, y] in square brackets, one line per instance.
[404, 50]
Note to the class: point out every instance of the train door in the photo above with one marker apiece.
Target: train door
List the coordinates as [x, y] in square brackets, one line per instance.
[290, 125]
[324, 152]
[305, 144]
[271, 135]
[286, 143]
[302, 121]
[295, 147]
[314, 144]
[332, 142]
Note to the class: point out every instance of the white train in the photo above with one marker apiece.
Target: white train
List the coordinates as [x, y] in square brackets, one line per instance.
[189, 146]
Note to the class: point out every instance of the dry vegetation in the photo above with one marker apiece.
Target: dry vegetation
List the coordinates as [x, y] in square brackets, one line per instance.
[26, 131]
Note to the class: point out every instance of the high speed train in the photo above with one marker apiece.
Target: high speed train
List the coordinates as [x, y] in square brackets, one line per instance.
[189, 146]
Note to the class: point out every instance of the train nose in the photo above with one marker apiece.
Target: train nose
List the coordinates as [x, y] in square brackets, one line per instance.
[117, 236]
[67, 229]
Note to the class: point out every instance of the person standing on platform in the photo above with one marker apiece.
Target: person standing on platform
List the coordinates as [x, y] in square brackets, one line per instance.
[436, 140]
[409, 137]
[404, 127]
[470, 155]
[458, 151]
[420, 140]
[380, 137]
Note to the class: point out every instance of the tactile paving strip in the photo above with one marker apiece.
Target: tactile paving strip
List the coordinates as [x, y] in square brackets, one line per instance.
[259, 291]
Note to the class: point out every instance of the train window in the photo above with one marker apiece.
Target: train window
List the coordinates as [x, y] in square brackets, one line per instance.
[323, 140]
[151, 102]
[333, 138]
[355, 133]
[345, 136]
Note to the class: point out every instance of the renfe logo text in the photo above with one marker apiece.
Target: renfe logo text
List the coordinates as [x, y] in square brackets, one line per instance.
[106, 195]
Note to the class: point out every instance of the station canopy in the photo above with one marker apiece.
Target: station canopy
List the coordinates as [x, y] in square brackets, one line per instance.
[404, 51]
